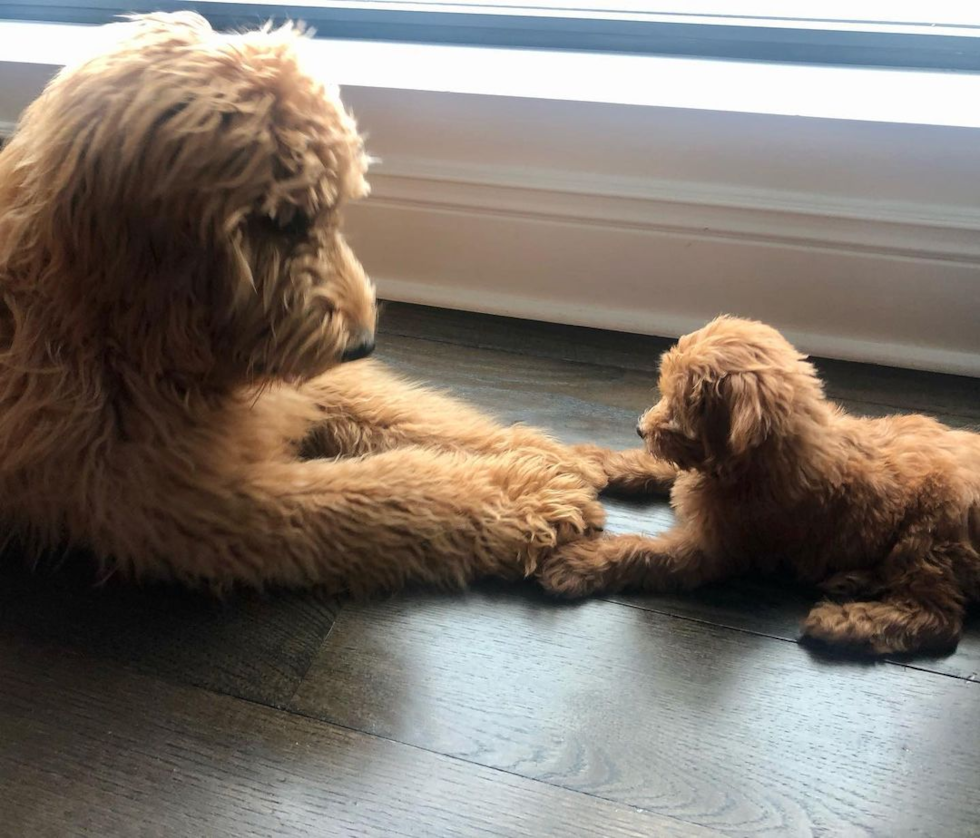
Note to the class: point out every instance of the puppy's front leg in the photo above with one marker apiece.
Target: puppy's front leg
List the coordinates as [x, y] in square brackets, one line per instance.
[631, 472]
[672, 561]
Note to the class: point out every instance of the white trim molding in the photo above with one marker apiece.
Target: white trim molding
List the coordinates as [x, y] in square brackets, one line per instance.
[718, 211]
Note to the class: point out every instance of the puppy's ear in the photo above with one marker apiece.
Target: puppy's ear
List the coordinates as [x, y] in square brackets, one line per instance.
[748, 423]
[750, 407]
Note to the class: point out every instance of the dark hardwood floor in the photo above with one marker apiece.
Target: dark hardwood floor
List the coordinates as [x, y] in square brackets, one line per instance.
[493, 713]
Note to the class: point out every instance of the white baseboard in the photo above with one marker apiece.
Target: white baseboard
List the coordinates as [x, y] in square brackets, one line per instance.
[882, 282]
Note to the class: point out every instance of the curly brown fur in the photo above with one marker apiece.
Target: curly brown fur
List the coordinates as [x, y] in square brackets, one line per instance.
[773, 475]
[176, 299]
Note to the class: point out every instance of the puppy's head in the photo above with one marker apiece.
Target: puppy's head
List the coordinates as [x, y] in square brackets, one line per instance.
[192, 185]
[727, 390]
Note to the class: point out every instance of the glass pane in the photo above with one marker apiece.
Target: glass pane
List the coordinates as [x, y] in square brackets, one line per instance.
[941, 12]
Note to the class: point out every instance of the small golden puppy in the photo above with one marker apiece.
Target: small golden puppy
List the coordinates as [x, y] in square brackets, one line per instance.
[884, 512]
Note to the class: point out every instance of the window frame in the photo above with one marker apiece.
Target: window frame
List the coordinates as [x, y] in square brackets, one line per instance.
[812, 42]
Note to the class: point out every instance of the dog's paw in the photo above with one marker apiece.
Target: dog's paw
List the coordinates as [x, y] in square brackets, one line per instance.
[883, 628]
[568, 505]
[581, 461]
[551, 505]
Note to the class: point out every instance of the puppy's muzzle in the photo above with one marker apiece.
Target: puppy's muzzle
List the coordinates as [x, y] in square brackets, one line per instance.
[359, 349]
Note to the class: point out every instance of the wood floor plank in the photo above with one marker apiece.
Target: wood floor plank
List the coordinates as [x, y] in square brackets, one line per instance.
[529, 337]
[775, 608]
[256, 647]
[561, 397]
[91, 749]
[513, 715]
[909, 390]
[732, 731]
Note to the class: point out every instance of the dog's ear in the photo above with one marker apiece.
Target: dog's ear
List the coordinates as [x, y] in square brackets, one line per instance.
[704, 416]
[317, 155]
[317, 159]
[230, 130]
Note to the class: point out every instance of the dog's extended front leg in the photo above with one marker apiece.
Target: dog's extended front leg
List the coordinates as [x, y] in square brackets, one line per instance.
[609, 563]
[364, 408]
[360, 525]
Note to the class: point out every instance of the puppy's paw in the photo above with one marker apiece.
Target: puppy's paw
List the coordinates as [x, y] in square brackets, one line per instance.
[851, 627]
[628, 473]
[575, 570]
[884, 628]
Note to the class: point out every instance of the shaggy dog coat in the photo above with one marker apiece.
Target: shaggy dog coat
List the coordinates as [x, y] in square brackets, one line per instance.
[884, 512]
[176, 301]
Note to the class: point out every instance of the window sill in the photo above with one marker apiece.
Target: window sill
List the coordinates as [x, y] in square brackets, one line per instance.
[851, 93]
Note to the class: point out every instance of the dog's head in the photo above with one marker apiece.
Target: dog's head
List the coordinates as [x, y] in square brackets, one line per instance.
[191, 185]
[726, 390]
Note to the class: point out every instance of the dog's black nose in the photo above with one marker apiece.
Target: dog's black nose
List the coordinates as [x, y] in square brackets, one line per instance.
[359, 350]
[639, 430]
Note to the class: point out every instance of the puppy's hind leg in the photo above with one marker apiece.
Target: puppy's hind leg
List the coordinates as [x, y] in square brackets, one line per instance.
[921, 607]
[888, 627]
[850, 584]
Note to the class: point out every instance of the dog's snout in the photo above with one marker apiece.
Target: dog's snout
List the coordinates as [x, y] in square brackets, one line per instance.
[359, 349]
[639, 426]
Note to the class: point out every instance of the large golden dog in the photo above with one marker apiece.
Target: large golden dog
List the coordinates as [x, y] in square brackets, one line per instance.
[176, 302]
[883, 512]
